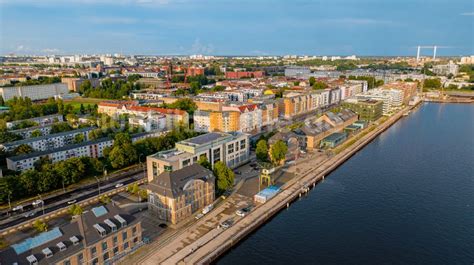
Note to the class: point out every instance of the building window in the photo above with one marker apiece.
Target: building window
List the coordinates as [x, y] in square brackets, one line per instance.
[134, 230]
[80, 258]
[93, 251]
[106, 256]
[104, 246]
[124, 235]
[67, 262]
[116, 250]
[115, 240]
[95, 261]
[125, 246]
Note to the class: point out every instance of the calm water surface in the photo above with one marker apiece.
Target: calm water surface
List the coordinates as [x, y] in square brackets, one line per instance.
[406, 198]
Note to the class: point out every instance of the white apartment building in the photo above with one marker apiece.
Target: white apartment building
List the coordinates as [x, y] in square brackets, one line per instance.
[202, 121]
[37, 92]
[48, 142]
[149, 122]
[391, 98]
[42, 121]
[94, 149]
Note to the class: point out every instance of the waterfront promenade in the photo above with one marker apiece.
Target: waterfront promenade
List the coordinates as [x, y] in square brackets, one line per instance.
[215, 242]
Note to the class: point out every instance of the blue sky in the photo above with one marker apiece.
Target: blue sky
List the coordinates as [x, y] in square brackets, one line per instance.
[236, 27]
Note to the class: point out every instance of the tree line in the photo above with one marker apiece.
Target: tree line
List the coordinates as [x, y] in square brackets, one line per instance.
[47, 176]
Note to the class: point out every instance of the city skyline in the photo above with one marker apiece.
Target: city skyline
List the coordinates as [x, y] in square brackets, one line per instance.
[168, 27]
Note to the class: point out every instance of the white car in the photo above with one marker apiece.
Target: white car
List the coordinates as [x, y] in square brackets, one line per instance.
[118, 185]
[17, 208]
[37, 203]
[72, 202]
[199, 216]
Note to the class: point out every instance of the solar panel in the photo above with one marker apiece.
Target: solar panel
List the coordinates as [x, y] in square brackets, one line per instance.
[99, 211]
[36, 241]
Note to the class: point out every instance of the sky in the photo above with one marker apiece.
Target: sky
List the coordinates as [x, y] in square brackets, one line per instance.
[236, 27]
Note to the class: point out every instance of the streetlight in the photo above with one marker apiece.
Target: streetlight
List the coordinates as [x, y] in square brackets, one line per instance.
[104, 170]
[98, 183]
[42, 202]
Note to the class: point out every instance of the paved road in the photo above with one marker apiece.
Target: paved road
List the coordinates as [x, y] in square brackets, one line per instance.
[61, 201]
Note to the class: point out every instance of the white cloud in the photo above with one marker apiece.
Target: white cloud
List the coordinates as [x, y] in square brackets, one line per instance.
[50, 50]
[201, 48]
[467, 14]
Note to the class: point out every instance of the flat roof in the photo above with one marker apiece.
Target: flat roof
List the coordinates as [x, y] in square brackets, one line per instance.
[205, 138]
[334, 136]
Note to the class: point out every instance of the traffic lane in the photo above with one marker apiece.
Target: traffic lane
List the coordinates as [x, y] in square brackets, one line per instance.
[59, 197]
[39, 212]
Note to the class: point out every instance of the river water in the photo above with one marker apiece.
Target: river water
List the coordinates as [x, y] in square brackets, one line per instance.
[406, 198]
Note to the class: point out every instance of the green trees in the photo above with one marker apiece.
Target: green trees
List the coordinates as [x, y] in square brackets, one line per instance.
[204, 162]
[122, 153]
[60, 127]
[224, 177]
[185, 104]
[23, 149]
[79, 138]
[278, 152]
[109, 89]
[6, 136]
[434, 83]
[36, 133]
[312, 80]
[40, 226]
[319, 85]
[75, 210]
[262, 150]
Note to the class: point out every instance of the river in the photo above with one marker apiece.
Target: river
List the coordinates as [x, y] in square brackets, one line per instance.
[406, 198]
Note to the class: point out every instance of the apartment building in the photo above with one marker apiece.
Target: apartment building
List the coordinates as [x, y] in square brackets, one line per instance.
[102, 235]
[368, 110]
[296, 103]
[51, 141]
[244, 74]
[149, 122]
[36, 92]
[174, 117]
[408, 89]
[41, 121]
[270, 112]
[391, 98]
[232, 118]
[175, 195]
[194, 71]
[231, 148]
[26, 132]
[94, 149]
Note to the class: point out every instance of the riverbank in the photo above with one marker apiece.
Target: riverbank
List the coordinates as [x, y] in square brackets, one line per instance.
[290, 192]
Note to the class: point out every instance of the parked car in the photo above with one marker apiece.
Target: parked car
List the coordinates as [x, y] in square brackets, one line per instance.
[226, 224]
[72, 202]
[37, 203]
[199, 216]
[207, 209]
[118, 185]
[244, 211]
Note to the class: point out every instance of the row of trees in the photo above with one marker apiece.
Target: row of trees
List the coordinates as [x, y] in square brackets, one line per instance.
[224, 175]
[275, 154]
[371, 81]
[42, 80]
[185, 104]
[110, 89]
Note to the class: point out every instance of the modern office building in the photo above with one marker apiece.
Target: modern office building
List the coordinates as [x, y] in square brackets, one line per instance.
[102, 235]
[368, 110]
[175, 195]
[231, 148]
[391, 98]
